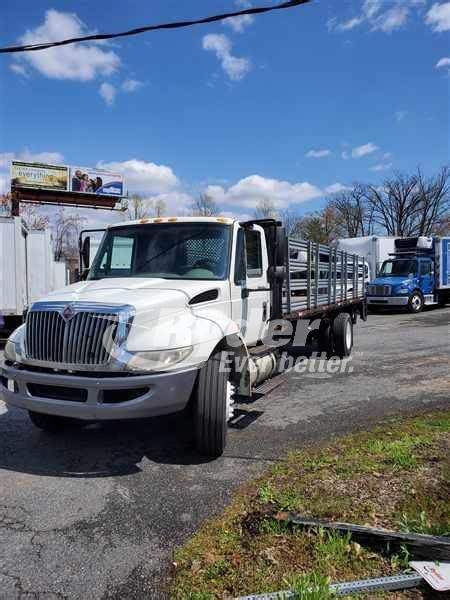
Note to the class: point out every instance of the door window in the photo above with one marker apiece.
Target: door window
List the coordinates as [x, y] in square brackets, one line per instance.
[254, 254]
[425, 268]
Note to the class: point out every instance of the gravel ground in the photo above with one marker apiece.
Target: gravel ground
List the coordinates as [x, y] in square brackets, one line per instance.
[97, 513]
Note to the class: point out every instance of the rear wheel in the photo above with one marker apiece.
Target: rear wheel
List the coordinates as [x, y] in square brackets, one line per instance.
[416, 302]
[53, 423]
[343, 335]
[212, 408]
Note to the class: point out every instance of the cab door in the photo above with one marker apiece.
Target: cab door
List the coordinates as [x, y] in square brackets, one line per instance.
[251, 291]
[426, 276]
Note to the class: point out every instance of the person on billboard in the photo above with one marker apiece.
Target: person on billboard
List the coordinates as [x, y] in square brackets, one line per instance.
[98, 184]
[76, 181]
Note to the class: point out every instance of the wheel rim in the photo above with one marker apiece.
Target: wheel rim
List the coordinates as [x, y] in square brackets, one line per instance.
[416, 302]
[348, 336]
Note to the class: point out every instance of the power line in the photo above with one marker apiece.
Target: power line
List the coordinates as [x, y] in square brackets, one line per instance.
[173, 25]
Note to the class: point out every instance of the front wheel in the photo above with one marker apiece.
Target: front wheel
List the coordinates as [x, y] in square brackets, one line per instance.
[416, 302]
[53, 423]
[343, 335]
[212, 407]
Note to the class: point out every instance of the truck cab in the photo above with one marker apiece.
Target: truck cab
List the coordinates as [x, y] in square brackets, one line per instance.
[410, 278]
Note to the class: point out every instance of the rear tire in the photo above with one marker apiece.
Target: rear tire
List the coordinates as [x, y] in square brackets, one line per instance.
[343, 335]
[416, 302]
[210, 408]
[53, 423]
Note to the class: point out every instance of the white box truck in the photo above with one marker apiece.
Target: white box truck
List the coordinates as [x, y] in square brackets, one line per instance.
[179, 312]
[13, 270]
[27, 269]
[375, 250]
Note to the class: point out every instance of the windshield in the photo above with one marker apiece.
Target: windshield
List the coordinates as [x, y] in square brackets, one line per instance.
[399, 267]
[167, 251]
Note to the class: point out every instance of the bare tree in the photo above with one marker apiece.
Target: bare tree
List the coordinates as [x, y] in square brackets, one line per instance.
[33, 217]
[354, 215]
[292, 222]
[410, 205]
[265, 209]
[137, 208]
[204, 206]
[5, 204]
[66, 230]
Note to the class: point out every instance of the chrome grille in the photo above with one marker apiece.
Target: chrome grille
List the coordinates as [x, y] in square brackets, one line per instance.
[87, 338]
[379, 290]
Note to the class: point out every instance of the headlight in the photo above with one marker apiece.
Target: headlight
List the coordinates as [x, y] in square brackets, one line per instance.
[13, 347]
[157, 360]
[402, 290]
[10, 351]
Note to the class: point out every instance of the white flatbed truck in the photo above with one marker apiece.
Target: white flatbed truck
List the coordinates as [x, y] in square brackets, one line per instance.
[164, 301]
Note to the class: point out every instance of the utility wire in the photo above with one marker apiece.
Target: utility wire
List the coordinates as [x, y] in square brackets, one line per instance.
[173, 25]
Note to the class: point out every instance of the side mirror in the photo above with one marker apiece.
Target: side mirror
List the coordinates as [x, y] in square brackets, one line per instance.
[86, 252]
[281, 252]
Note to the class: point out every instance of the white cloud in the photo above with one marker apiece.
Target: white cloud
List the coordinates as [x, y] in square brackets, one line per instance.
[236, 68]
[400, 115]
[337, 187]
[77, 62]
[144, 177]
[154, 182]
[318, 153]
[240, 24]
[131, 85]
[248, 192]
[438, 17]
[381, 167]
[19, 69]
[443, 62]
[52, 158]
[387, 155]
[108, 92]
[378, 16]
[364, 150]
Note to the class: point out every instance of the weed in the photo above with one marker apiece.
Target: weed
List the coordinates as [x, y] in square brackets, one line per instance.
[284, 499]
[274, 527]
[398, 453]
[312, 586]
[218, 569]
[332, 547]
[422, 524]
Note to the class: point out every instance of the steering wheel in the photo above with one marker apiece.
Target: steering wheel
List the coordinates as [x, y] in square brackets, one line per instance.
[205, 263]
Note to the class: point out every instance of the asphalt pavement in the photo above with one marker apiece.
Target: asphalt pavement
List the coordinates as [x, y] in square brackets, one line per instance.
[97, 513]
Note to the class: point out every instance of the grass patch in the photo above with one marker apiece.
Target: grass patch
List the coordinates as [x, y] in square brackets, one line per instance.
[395, 476]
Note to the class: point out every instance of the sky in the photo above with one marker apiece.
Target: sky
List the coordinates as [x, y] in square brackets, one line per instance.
[291, 106]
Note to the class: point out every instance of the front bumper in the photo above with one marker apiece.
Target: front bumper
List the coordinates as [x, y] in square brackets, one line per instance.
[387, 300]
[97, 399]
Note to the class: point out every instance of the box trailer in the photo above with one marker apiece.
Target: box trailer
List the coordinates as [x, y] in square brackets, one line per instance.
[13, 269]
[375, 249]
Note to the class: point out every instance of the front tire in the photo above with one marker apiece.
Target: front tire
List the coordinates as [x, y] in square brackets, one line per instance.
[343, 335]
[53, 423]
[416, 302]
[210, 409]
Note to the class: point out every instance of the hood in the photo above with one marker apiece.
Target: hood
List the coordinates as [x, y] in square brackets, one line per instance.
[144, 294]
[392, 280]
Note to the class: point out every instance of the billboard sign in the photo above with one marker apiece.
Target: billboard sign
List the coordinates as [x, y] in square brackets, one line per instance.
[55, 178]
[95, 181]
[39, 176]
